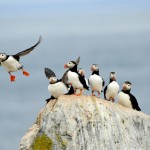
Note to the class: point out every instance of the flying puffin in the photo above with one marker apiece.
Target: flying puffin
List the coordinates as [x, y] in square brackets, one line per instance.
[126, 99]
[112, 89]
[11, 62]
[56, 87]
[95, 80]
[74, 78]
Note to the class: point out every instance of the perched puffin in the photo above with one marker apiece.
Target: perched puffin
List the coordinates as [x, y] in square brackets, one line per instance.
[11, 62]
[74, 78]
[126, 99]
[56, 87]
[95, 80]
[112, 89]
[81, 73]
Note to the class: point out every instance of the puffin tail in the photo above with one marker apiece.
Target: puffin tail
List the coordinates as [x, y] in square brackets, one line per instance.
[49, 99]
[138, 108]
[87, 88]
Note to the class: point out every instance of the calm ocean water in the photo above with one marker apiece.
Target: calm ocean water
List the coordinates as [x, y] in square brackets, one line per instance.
[21, 101]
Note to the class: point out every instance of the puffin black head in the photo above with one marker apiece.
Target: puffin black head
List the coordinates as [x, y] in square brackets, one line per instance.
[127, 86]
[53, 79]
[112, 72]
[3, 57]
[95, 69]
[112, 76]
[72, 65]
[81, 71]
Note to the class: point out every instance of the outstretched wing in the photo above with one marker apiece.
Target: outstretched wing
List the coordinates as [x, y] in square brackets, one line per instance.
[78, 60]
[49, 73]
[134, 102]
[27, 51]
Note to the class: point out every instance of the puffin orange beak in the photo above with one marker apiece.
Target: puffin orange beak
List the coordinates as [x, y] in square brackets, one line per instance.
[65, 66]
[114, 78]
[82, 73]
[124, 87]
[52, 81]
[91, 68]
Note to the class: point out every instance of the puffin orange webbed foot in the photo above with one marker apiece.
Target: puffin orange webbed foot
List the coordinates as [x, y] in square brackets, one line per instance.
[78, 94]
[25, 73]
[93, 94]
[12, 78]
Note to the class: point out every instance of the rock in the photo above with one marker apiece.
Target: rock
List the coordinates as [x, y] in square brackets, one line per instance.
[87, 123]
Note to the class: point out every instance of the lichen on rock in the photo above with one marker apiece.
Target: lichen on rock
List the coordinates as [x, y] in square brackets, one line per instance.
[42, 142]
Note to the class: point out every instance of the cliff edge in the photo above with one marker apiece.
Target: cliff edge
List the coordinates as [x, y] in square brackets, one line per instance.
[87, 123]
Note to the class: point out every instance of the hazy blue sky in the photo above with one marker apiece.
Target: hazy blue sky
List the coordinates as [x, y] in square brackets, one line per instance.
[112, 33]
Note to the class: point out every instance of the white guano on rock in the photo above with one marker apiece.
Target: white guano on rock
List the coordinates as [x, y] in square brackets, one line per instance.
[88, 123]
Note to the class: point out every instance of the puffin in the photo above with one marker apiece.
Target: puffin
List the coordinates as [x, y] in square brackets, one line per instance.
[57, 86]
[74, 78]
[112, 89]
[11, 62]
[126, 99]
[81, 73]
[96, 82]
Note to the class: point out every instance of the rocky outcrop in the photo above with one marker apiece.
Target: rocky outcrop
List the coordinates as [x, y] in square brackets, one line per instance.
[87, 123]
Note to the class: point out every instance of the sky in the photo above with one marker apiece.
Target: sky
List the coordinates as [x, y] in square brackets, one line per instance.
[112, 33]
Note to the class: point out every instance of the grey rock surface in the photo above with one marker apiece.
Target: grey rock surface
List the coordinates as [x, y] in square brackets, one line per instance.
[88, 123]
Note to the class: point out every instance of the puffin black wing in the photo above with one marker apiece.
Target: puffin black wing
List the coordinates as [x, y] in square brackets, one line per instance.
[105, 89]
[27, 51]
[134, 102]
[78, 60]
[49, 73]
[65, 77]
[71, 91]
[103, 82]
[82, 80]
